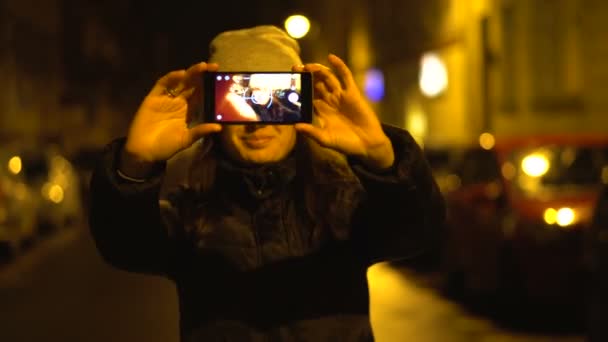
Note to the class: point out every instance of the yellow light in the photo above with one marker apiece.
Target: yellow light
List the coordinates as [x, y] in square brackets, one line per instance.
[535, 165]
[15, 165]
[56, 193]
[433, 75]
[550, 216]
[60, 163]
[453, 182]
[508, 171]
[297, 26]
[417, 124]
[487, 141]
[565, 217]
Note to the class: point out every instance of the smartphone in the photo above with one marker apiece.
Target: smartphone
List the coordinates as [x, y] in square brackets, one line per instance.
[257, 97]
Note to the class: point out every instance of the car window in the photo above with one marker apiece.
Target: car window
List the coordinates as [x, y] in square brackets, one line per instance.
[582, 166]
[553, 167]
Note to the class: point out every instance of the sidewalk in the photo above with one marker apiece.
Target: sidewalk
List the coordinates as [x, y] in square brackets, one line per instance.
[404, 308]
[62, 291]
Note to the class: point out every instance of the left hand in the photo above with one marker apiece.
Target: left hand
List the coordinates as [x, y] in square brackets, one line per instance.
[346, 121]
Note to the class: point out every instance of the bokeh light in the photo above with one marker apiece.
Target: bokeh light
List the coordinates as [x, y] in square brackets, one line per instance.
[487, 141]
[550, 216]
[15, 165]
[297, 26]
[535, 165]
[565, 217]
[433, 75]
[374, 85]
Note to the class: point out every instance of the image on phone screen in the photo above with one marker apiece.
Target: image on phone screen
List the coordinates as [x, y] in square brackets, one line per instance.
[258, 97]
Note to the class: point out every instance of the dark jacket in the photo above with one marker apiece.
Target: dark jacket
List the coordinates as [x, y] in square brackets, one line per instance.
[254, 271]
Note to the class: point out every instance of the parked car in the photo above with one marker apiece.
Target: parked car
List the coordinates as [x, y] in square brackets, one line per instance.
[57, 184]
[517, 217]
[17, 208]
[40, 194]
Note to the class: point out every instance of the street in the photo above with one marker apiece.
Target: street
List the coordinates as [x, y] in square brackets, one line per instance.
[62, 291]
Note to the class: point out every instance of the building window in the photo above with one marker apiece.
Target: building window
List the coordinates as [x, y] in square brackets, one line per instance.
[507, 70]
[555, 56]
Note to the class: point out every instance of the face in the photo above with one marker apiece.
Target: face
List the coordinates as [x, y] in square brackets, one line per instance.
[258, 144]
[261, 96]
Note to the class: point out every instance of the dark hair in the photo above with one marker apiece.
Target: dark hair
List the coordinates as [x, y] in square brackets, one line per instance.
[327, 184]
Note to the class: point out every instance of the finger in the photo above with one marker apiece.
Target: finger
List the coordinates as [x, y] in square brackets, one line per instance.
[170, 80]
[343, 71]
[194, 78]
[312, 67]
[194, 95]
[193, 74]
[315, 133]
[202, 130]
[326, 75]
[321, 90]
[321, 87]
[298, 68]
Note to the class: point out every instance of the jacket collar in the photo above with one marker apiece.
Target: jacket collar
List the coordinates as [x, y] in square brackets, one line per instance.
[261, 180]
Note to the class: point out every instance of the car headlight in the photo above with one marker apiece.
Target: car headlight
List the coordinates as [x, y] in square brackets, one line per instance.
[53, 192]
[563, 217]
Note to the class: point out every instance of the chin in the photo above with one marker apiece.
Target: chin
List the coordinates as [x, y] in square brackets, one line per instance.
[259, 157]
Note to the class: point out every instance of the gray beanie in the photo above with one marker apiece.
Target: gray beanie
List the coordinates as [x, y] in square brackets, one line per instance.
[261, 48]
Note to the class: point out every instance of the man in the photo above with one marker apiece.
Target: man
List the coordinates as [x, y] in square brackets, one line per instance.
[270, 235]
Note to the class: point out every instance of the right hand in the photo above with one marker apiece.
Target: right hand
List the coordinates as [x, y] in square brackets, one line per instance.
[160, 129]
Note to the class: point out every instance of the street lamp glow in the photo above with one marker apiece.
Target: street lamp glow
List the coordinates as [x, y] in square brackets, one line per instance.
[15, 165]
[487, 141]
[535, 165]
[433, 75]
[297, 26]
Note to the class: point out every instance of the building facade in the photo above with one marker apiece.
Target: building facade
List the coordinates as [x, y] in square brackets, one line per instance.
[514, 67]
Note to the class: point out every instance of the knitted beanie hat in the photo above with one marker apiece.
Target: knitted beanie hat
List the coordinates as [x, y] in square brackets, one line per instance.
[261, 48]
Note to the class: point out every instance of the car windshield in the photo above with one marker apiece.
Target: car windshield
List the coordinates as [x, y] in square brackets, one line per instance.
[558, 167]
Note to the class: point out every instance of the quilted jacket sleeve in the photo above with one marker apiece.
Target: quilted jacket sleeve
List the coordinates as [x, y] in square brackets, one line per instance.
[125, 218]
[402, 214]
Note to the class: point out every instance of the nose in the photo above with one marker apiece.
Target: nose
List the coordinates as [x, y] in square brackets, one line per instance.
[254, 127]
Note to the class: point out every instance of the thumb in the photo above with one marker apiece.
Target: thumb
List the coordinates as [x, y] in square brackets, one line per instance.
[200, 131]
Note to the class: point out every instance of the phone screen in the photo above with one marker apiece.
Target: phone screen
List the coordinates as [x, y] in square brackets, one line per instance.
[258, 97]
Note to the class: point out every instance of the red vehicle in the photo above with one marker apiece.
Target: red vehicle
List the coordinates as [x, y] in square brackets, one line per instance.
[518, 215]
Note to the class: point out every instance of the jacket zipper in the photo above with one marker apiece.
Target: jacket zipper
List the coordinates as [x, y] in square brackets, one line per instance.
[256, 237]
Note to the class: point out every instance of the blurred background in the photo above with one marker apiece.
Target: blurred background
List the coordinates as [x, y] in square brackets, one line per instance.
[507, 97]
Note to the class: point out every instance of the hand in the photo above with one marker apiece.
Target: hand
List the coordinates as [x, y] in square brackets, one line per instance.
[346, 121]
[160, 127]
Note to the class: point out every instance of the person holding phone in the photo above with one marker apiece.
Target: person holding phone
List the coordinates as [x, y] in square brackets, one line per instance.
[269, 234]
